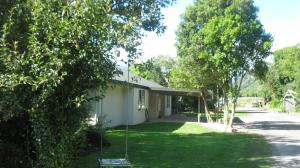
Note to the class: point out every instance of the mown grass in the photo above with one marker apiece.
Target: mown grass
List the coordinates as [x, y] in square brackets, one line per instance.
[169, 145]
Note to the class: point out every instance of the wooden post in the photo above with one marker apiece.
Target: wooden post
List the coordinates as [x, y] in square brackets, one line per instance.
[198, 116]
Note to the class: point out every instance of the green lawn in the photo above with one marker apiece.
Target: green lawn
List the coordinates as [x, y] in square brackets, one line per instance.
[170, 145]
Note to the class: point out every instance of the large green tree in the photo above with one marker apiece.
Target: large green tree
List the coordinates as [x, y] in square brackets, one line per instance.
[194, 70]
[283, 73]
[287, 61]
[188, 74]
[229, 37]
[52, 53]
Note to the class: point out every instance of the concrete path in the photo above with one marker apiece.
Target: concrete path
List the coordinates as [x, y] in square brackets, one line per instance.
[283, 133]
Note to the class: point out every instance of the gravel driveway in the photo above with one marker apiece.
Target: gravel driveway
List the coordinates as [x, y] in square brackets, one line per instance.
[282, 131]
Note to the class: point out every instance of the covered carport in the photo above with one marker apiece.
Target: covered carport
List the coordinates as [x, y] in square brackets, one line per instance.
[159, 97]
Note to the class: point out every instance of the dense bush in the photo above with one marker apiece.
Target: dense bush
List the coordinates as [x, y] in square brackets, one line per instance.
[89, 138]
[16, 144]
[284, 74]
[11, 155]
[277, 104]
[298, 108]
[94, 138]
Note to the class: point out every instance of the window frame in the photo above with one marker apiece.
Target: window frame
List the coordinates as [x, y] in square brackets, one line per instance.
[141, 99]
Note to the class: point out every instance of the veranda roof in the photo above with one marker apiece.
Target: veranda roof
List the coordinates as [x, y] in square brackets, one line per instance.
[153, 86]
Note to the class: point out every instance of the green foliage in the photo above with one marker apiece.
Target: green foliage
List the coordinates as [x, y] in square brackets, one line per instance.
[194, 69]
[297, 83]
[16, 143]
[298, 108]
[287, 62]
[193, 20]
[188, 73]
[284, 74]
[5, 7]
[89, 137]
[12, 156]
[219, 42]
[52, 53]
[156, 69]
[277, 104]
[271, 86]
[236, 43]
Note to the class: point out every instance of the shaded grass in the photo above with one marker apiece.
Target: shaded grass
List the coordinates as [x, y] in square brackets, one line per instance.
[170, 145]
[214, 115]
[241, 114]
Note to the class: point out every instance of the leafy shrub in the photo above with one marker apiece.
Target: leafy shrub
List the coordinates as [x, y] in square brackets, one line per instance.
[89, 139]
[298, 108]
[79, 142]
[16, 147]
[93, 138]
[275, 103]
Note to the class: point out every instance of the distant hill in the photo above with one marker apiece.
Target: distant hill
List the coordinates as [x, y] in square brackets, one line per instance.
[251, 87]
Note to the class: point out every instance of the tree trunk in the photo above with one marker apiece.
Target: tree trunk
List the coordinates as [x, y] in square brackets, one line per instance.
[218, 106]
[231, 116]
[206, 108]
[225, 117]
[235, 97]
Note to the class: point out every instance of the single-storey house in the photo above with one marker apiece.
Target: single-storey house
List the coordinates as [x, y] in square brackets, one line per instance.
[136, 101]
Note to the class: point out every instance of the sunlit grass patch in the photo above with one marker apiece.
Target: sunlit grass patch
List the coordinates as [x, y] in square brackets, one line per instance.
[170, 145]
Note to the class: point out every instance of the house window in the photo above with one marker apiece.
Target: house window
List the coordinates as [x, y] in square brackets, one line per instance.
[141, 101]
[168, 101]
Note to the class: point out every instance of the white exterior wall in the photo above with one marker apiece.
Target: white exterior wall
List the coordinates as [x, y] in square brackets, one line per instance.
[153, 105]
[95, 109]
[158, 105]
[138, 116]
[168, 110]
[113, 110]
[115, 106]
[161, 105]
[128, 105]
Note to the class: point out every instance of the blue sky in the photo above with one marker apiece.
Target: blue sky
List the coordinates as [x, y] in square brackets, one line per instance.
[281, 18]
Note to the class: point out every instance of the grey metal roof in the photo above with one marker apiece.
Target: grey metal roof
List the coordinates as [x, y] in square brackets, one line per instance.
[173, 91]
[134, 79]
[137, 80]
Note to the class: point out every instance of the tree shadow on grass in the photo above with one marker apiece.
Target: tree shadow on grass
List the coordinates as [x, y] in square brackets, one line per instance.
[151, 127]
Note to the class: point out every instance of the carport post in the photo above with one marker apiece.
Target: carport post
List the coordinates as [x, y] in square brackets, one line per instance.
[198, 116]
